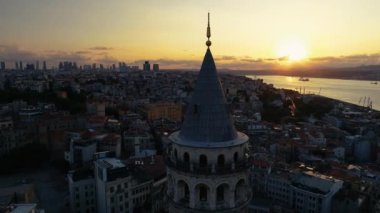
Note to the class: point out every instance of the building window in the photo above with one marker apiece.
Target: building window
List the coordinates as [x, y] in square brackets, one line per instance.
[203, 193]
[186, 158]
[221, 160]
[220, 193]
[236, 157]
[203, 161]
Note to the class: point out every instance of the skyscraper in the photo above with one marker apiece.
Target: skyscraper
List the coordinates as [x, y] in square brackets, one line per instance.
[21, 67]
[44, 65]
[37, 65]
[207, 164]
[156, 67]
[16, 65]
[146, 66]
[2, 65]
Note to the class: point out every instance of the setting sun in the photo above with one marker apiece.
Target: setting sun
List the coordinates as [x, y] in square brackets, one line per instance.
[293, 50]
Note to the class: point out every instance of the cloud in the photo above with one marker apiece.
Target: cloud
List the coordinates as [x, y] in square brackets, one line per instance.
[346, 60]
[251, 60]
[225, 58]
[100, 54]
[327, 58]
[101, 48]
[283, 58]
[83, 52]
[106, 60]
[13, 53]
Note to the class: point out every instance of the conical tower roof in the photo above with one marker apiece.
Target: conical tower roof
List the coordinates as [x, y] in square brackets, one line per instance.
[207, 118]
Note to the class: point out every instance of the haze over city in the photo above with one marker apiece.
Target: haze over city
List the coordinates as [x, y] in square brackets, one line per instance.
[249, 34]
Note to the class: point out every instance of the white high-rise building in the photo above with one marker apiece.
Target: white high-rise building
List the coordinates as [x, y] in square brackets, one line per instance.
[207, 166]
[82, 191]
[111, 179]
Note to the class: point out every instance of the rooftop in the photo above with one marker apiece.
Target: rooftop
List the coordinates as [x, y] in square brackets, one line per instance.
[313, 182]
[111, 163]
[23, 208]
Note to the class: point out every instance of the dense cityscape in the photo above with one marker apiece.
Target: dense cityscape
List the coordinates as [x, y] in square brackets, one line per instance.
[67, 125]
[115, 137]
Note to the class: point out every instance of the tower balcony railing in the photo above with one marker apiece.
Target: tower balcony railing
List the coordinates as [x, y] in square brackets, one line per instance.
[202, 205]
[195, 168]
[222, 205]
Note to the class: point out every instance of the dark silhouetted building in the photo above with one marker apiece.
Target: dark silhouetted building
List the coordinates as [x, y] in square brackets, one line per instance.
[44, 65]
[123, 67]
[2, 65]
[146, 66]
[30, 67]
[156, 67]
[37, 65]
[21, 67]
[67, 66]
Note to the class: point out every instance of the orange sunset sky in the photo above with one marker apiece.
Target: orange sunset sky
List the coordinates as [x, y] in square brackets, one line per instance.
[246, 34]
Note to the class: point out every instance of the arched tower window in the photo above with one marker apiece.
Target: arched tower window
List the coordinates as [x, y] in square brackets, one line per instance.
[221, 160]
[220, 193]
[236, 157]
[186, 158]
[203, 193]
[202, 161]
[183, 191]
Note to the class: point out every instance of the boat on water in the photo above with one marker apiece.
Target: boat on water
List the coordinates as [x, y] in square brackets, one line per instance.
[375, 82]
[303, 79]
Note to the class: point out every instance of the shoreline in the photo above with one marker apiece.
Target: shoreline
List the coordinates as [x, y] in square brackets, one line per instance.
[353, 105]
[296, 76]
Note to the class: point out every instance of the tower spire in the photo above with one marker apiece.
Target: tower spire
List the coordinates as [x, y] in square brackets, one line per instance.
[208, 42]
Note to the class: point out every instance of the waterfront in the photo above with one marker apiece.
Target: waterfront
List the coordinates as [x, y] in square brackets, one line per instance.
[351, 91]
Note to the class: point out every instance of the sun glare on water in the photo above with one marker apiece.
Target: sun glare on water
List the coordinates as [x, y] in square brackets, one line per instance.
[293, 50]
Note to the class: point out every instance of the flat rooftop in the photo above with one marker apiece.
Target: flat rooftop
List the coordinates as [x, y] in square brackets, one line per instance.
[23, 208]
[111, 163]
[313, 182]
